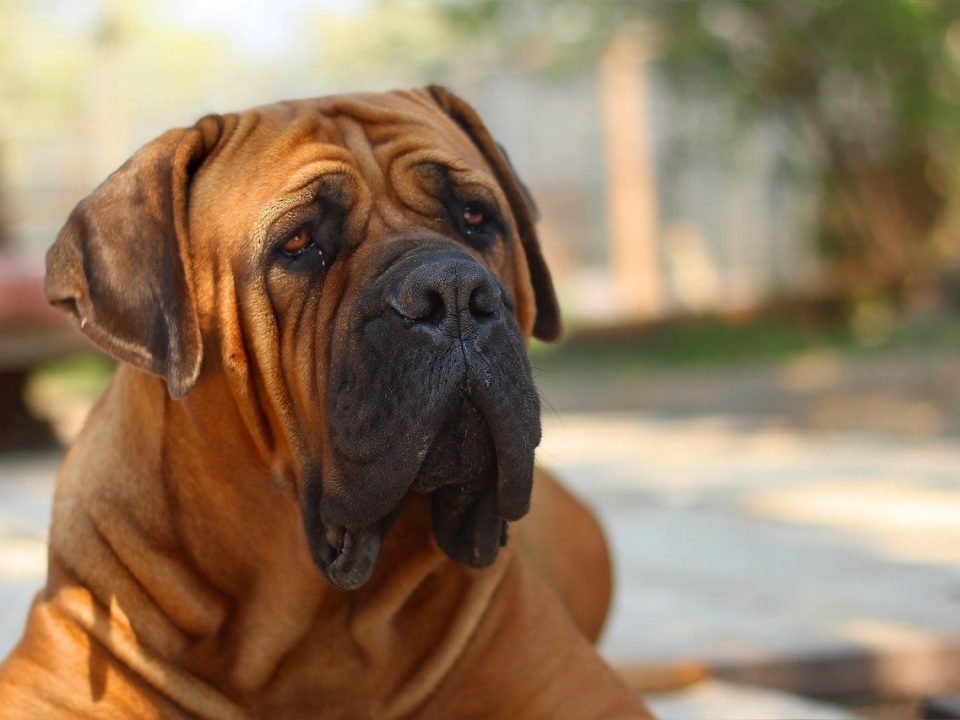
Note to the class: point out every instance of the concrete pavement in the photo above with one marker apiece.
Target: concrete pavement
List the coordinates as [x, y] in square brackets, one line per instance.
[808, 561]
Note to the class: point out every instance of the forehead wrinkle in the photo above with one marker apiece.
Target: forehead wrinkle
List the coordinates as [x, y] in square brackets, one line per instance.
[302, 130]
[402, 165]
[357, 143]
[375, 109]
[304, 156]
[299, 191]
[455, 169]
[362, 150]
[247, 124]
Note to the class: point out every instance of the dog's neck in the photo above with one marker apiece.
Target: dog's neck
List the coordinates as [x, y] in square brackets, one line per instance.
[216, 573]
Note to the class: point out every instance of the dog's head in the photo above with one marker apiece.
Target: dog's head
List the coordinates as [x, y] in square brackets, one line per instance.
[362, 273]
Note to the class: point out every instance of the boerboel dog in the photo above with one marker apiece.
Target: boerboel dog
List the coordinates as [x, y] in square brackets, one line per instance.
[293, 499]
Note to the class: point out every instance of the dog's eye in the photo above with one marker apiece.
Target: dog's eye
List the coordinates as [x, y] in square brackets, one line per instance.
[298, 244]
[314, 243]
[476, 219]
[478, 223]
[474, 216]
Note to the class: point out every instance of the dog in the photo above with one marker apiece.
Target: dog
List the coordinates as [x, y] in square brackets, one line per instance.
[294, 499]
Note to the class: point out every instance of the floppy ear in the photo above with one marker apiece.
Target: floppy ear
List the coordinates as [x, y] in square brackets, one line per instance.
[121, 265]
[547, 325]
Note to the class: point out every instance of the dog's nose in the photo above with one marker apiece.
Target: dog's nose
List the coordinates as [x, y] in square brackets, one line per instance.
[454, 297]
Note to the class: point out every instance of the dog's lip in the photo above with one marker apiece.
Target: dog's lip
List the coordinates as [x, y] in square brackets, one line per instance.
[426, 487]
[453, 433]
[352, 553]
[468, 445]
[466, 524]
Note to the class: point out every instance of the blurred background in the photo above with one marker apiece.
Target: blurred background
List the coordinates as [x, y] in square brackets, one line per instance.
[751, 213]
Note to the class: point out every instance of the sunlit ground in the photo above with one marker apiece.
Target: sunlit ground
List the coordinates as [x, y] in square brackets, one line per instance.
[739, 543]
[795, 521]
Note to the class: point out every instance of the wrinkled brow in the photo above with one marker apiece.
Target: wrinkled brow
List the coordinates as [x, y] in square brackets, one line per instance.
[331, 180]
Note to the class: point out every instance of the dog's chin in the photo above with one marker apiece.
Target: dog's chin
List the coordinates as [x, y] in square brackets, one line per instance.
[347, 556]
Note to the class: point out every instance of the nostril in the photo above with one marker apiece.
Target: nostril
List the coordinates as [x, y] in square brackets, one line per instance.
[484, 301]
[436, 308]
[424, 305]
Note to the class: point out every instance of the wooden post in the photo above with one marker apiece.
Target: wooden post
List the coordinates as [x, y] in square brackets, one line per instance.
[631, 189]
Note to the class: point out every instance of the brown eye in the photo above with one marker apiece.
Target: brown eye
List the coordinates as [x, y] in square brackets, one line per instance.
[298, 243]
[473, 216]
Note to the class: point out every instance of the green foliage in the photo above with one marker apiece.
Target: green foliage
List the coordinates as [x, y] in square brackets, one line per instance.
[714, 341]
[876, 88]
[83, 376]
